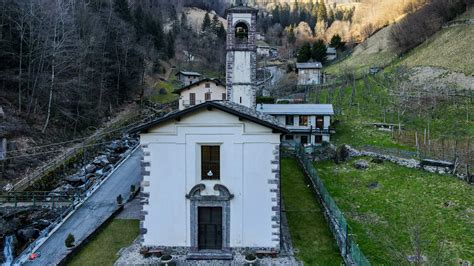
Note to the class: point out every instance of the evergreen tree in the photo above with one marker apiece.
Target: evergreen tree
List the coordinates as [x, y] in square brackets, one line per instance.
[276, 13]
[122, 8]
[291, 38]
[221, 32]
[322, 11]
[304, 53]
[138, 21]
[184, 21]
[336, 42]
[318, 52]
[206, 24]
[170, 48]
[215, 23]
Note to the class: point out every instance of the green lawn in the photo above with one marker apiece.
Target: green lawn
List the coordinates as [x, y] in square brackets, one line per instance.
[169, 86]
[103, 248]
[308, 228]
[385, 218]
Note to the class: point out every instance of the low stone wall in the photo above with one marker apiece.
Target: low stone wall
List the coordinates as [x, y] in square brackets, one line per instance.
[349, 152]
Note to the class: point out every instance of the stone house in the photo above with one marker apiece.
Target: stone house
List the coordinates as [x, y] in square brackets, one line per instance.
[188, 77]
[203, 90]
[309, 73]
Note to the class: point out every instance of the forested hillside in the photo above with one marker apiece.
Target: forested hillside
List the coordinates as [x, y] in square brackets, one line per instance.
[70, 63]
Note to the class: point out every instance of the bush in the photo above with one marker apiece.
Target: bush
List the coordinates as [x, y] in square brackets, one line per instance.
[119, 200]
[265, 99]
[69, 242]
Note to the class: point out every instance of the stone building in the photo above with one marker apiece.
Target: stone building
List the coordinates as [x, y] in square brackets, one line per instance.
[204, 90]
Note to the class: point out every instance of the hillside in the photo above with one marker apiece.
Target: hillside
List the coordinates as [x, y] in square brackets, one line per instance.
[451, 48]
[195, 17]
[375, 51]
[447, 56]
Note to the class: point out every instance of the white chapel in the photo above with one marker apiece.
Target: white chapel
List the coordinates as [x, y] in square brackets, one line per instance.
[211, 172]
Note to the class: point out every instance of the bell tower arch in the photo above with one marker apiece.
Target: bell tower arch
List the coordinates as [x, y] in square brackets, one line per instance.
[241, 60]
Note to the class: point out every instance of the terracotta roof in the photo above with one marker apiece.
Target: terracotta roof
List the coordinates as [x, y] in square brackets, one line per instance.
[238, 110]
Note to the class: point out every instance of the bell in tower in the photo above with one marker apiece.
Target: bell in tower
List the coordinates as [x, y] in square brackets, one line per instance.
[241, 60]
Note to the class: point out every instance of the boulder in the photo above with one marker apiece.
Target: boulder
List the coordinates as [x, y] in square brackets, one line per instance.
[373, 185]
[324, 153]
[344, 152]
[76, 178]
[361, 164]
[377, 160]
[90, 168]
[101, 160]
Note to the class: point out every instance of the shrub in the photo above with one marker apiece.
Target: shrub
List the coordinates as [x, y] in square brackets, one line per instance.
[265, 99]
[69, 242]
[119, 199]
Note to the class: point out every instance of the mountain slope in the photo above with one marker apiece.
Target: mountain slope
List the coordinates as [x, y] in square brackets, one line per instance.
[451, 48]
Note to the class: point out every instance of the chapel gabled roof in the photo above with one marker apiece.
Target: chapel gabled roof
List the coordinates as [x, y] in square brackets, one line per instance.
[241, 111]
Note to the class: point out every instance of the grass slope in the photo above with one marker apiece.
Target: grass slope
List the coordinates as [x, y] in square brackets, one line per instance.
[103, 248]
[383, 218]
[375, 51]
[308, 228]
[451, 48]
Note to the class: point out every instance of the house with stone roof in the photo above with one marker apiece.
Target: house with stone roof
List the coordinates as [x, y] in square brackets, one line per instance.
[211, 172]
[188, 77]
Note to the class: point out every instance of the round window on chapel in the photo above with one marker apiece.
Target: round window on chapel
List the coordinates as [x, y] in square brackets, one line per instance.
[241, 31]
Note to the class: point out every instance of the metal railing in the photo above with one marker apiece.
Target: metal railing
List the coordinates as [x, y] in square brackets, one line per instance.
[338, 225]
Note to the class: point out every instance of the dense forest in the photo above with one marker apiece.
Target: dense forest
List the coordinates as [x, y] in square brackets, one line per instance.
[70, 63]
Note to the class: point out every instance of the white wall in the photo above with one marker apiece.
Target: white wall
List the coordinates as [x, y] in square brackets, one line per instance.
[200, 90]
[246, 154]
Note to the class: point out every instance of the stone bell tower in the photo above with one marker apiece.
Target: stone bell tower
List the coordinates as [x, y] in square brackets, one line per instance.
[241, 61]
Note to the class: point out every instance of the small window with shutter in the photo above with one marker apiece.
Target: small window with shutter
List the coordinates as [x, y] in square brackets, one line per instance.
[210, 162]
[223, 96]
[207, 96]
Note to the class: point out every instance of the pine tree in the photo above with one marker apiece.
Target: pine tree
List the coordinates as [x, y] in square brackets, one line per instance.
[336, 42]
[184, 21]
[215, 23]
[304, 53]
[291, 38]
[322, 11]
[170, 45]
[318, 52]
[206, 24]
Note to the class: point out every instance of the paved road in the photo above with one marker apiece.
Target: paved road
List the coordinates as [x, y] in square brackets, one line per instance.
[93, 212]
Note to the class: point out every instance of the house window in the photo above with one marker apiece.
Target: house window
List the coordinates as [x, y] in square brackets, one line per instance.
[223, 96]
[289, 120]
[289, 137]
[207, 96]
[240, 99]
[192, 99]
[208, 85]
[303, 120]
[210, 162]
[320, 122]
